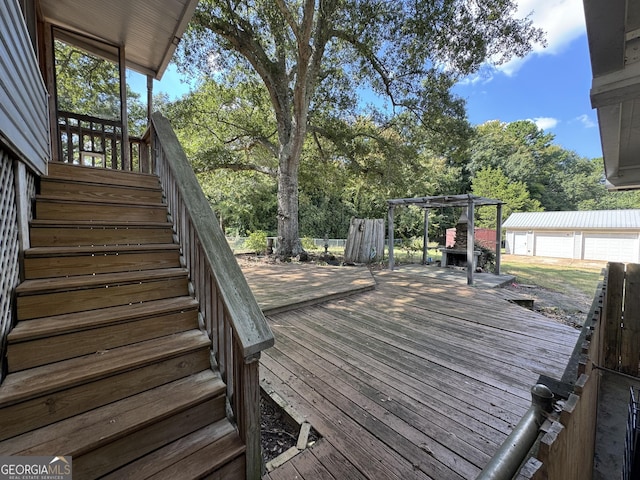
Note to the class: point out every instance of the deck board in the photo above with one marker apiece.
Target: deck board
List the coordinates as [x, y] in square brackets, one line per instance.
[412, 380]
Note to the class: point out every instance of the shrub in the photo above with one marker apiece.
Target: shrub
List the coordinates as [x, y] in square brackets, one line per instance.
[257, 241]
[487, 259]
[308, 243]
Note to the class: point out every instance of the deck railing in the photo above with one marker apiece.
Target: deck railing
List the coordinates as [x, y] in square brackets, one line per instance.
[232, 317]
[97, 142]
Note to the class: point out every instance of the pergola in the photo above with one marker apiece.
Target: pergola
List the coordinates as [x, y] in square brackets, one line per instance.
[468, 201]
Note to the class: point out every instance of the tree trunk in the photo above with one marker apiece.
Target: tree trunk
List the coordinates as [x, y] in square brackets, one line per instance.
[288, 234]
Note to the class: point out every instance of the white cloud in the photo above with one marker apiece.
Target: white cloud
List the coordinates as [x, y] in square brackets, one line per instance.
[545, 123]
[586, 121]
[561, 20]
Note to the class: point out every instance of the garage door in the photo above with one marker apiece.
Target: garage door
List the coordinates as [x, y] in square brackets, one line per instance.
[559, 245]
[520, 243]
[611, 247]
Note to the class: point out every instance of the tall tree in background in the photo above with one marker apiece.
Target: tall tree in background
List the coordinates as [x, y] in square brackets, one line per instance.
[311, 53]
[493, 183]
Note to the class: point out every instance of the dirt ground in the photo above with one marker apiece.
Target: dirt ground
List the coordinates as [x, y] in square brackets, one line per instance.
[570, 308]
[564, 308]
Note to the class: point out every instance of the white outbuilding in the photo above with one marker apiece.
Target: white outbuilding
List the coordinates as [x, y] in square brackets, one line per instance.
[611, 235]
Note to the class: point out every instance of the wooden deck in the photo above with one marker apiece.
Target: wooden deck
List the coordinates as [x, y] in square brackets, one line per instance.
[412, 380]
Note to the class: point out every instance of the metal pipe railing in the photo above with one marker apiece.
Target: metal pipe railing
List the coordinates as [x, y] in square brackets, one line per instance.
[507, 460]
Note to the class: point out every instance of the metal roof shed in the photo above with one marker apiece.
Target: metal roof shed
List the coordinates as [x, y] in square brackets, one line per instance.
[609, 235]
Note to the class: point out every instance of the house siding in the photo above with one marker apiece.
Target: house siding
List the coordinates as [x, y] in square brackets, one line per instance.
[24, 126]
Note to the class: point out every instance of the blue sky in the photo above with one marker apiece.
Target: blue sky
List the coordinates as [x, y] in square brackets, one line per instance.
[550, 86]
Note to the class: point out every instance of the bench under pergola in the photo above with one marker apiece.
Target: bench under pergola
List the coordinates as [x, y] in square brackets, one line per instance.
[443, 201]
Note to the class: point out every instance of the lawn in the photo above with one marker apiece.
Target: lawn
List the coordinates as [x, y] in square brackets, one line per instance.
[565, 276]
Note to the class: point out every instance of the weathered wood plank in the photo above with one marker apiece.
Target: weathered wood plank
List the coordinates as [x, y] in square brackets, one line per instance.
[63, 171]
[58, 265]
[35, 382]
[630, 341]
[309, 467]
[29, 354]
[410, 365]
[55, 209]
[47, 233]
[412, 402]
[94, 427]
[164, 457]
[613, 315]
[334, 461]
[382, 416]
[99, 193]
[57, 406]
[357, 445]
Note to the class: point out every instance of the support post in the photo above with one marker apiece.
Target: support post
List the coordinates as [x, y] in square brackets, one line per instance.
[498, 236]
[149, 99]
[425, 238]
[470, 241]
[124, 116]
[390, 227]
[22, 204]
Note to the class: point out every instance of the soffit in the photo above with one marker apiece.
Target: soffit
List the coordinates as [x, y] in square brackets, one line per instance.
[148, 29]
[613, 31]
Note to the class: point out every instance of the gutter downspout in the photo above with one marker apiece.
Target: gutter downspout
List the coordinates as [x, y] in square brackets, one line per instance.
[507, 460]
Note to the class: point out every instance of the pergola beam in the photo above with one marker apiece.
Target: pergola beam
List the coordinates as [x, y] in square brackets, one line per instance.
[467, 201]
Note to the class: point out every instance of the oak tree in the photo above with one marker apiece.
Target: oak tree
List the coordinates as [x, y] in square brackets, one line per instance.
[388, 57]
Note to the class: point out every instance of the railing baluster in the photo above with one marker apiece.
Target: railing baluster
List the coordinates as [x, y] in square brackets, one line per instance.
[233, 320]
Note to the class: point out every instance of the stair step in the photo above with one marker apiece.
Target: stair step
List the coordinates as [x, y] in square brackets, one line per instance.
[52, 208]
[65, 171]
[78, 322]
[111, 436]
[56, 233]
[84, 191]
[52, 343]
[56, 296]
[56, 406]
[51, 378]
[46, 262]
[215, 448]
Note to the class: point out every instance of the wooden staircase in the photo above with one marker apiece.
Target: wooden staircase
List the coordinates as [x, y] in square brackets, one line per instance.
[107, 362]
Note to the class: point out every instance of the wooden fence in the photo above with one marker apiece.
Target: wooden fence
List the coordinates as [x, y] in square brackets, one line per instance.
[365, 242]
[611, 341]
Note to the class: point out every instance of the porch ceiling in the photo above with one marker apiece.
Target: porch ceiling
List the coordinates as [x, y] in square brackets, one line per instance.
[149, 29]
[613, 30]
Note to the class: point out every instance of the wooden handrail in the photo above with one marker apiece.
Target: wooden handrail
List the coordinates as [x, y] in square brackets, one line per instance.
[249, 323]
[233, 320]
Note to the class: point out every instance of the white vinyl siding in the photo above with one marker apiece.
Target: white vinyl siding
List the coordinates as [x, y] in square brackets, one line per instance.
[618, 247]
[24, 122]
[554, 244]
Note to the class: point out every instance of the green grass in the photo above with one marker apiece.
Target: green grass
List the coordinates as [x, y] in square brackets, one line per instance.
[564, 278]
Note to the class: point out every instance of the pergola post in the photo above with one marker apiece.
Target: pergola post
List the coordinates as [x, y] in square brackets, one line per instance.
[390, 222]
[425, 238]
[498, 236]
[471, 246]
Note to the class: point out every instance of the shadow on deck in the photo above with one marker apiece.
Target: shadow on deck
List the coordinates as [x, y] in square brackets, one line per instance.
[415, 380]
